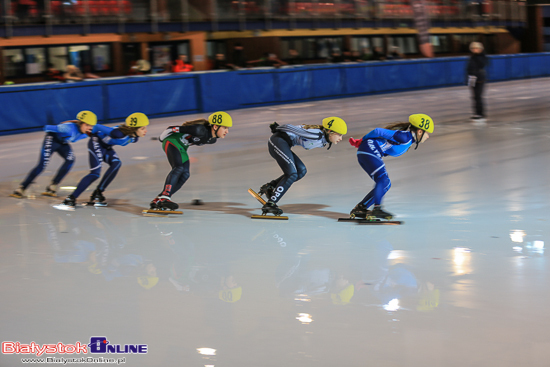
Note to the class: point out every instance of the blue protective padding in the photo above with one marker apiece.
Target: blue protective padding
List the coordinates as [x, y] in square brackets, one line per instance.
[219, 91]
[295, 85]
[24, 107]
[327, 81]
[128, 96]
[518, 67]
[498, 68]
[358, 79]
[256, 87]
[456, 70]
[173, 95]
[69, 99]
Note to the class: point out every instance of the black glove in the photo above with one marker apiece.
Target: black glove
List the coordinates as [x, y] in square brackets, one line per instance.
[273, 127]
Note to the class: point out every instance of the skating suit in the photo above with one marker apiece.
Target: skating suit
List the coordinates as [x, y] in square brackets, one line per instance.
[57, 140]
[175, 142]
[100, 149]
[375, 145]
[280, 144]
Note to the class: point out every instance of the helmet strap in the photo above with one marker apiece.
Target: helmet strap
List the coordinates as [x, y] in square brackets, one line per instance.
[215, 130]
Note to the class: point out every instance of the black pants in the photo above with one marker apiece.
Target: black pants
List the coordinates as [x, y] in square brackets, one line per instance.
[477, 99]
[179, 173]
[293, 168]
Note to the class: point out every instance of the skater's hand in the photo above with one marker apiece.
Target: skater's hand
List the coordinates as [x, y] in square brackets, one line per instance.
[175, 129]
[355, 142]
[273, 127]
[472, 80]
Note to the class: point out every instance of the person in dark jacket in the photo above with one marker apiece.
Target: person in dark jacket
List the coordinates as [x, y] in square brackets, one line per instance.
[476, 79]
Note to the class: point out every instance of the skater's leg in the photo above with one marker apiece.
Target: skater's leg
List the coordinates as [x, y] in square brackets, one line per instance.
[376, 169]
[478, 98]
[183, 177]
[179, 160]
[301, 169]
[45, 154]
[111, 158]
[95, 157]
[66, 152]
[279, 149]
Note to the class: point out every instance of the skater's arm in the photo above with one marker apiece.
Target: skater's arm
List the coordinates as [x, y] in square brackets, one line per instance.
[117, 137]
[313, 134]
[394, 136]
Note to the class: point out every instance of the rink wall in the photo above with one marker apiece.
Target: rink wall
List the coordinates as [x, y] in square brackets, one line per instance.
[29, 107]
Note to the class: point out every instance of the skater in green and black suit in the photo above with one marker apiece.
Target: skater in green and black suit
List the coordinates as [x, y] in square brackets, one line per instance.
[175, 142]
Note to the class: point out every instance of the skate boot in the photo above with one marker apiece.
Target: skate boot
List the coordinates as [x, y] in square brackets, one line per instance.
[272, 208]
[70, 201]
[154, 203]
[360, 211]
[50, 191]
[379, 213]
[267, 190]
[166, 203]
[19, 193]
[97, 198]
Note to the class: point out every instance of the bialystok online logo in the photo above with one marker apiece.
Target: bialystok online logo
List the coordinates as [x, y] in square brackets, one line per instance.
[97, 345]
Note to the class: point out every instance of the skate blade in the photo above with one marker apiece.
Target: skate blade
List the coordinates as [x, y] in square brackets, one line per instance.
[64, 207]
[159, 211]
[49, 194]
[16, 196]
[265, 216]
[100, 205]
[371, 220]
[256, 196]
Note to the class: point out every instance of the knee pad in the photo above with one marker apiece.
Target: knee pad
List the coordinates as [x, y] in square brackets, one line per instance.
[384, 181]
[301, 173]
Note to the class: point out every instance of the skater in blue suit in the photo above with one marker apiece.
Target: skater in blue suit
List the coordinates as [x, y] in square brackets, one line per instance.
[393, 140]
[100, 148]
[57, 141]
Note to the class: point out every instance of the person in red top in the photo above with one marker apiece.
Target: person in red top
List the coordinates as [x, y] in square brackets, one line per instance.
[181, 65]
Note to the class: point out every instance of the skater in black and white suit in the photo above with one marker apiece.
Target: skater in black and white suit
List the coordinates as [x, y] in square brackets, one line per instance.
[279, 145]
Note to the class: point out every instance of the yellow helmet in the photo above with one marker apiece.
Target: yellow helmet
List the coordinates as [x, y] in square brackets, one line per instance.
[335, 124]
[87, 117]
[231, 295]
[137, 119]
[422, 121]
[344, 296]
[220, 118]
[147, 282]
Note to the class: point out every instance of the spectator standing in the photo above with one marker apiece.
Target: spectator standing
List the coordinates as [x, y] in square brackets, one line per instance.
[54, 75]
[238, 56]
[73, 74]
[378, 55]
[294, 57]
[476, 79]
[220, 63]
[181, 65]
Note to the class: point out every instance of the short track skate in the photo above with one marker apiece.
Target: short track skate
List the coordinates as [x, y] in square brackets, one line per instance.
[264, 214]
[160, 212]
[370, 219]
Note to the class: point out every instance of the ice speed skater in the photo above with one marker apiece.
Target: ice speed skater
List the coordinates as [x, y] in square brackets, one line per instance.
[175, 142]
[57, 141]
[280, 143]
[100, 149]
[393, 140]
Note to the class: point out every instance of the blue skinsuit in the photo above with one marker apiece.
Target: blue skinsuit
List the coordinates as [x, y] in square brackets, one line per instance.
[57, 140]
[375, 145]
[100, 148]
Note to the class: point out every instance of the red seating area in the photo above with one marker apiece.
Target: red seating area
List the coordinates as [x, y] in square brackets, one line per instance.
[96, 8]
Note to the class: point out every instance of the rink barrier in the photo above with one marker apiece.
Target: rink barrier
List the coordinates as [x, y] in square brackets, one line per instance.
[31, 106]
